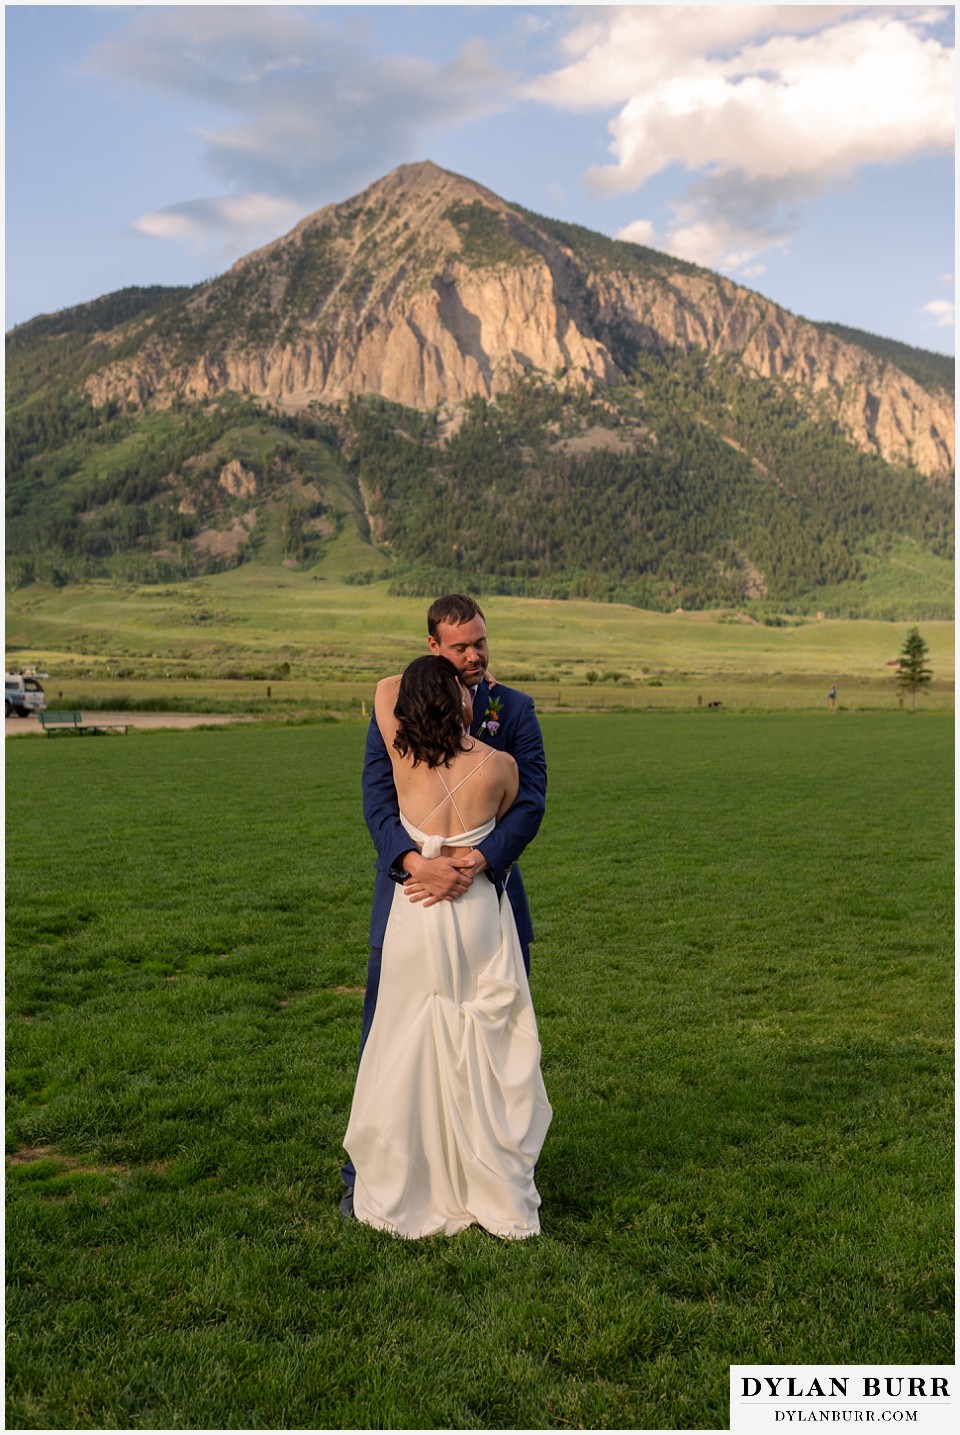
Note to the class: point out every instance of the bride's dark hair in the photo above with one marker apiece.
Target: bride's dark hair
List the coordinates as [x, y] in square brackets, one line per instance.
[429, 712]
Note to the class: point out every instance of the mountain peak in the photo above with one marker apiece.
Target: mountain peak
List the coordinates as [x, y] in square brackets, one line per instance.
[424, 176]
[428, 289]
[422, 185]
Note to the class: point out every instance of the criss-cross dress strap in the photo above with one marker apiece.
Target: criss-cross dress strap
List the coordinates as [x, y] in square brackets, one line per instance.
[449, 791]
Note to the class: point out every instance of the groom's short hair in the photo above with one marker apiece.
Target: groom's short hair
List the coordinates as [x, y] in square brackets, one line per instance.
[452, 608]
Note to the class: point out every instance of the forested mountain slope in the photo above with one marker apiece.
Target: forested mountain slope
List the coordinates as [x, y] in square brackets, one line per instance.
[465, 388]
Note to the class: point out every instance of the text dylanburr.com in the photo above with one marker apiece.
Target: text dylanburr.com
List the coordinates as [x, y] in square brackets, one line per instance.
[800, 1397]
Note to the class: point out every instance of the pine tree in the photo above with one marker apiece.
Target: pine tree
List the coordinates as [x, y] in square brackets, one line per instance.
[913, 675]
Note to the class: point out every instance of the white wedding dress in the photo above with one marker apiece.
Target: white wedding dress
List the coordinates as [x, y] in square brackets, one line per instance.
[450, 1111]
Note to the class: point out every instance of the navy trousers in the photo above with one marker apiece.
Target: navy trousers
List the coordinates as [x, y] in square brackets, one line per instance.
[348, 1172]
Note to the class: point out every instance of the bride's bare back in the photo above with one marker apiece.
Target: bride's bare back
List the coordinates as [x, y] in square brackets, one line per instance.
[484, 781]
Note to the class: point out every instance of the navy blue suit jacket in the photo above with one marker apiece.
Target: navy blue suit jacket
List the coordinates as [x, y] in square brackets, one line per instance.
[519, 734]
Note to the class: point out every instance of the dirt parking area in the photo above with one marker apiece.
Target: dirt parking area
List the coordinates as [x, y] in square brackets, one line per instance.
[17, 727]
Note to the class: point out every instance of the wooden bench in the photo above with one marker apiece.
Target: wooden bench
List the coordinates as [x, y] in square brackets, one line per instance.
[52, 723]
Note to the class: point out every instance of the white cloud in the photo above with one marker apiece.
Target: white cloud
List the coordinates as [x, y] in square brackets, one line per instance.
[251, 218]
[766, 106]
[942, 311]
[641, 231]
[724, 222]
[617, 52]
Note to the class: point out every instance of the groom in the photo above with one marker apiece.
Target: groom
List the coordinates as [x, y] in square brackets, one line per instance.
[503, 718]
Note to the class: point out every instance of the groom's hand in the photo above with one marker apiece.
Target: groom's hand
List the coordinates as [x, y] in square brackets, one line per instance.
[472, 865]
[435, 879]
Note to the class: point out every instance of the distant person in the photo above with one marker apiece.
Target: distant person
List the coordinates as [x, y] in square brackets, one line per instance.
[449, 1111]
[832, 698]
[504, 719]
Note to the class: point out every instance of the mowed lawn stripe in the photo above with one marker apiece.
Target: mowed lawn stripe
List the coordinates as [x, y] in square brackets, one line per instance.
[743, 981]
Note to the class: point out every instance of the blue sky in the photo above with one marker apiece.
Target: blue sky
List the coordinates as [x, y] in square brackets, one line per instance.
[806, 151]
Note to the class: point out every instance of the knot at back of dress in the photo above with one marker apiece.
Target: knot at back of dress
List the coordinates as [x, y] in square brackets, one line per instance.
[431, 845]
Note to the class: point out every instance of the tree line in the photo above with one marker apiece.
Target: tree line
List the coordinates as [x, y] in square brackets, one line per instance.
[719, 477]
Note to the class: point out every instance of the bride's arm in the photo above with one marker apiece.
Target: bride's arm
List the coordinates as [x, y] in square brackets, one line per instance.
[384, 702]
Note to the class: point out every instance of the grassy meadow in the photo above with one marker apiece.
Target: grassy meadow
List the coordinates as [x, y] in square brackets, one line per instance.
[743, 983]
[318, 641]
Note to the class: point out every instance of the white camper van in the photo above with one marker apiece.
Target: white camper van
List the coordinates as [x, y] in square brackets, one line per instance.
[23, 694]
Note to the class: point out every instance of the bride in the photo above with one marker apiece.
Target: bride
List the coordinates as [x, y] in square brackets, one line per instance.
[449, 1111]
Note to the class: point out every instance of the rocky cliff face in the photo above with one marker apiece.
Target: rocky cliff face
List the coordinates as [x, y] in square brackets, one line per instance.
[879, 408]
[428, 290]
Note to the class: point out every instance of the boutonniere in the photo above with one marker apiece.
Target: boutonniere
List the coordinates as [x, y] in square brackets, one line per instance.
[491, 718]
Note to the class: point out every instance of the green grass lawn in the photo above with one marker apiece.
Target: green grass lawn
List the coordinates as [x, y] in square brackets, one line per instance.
[254, 620]
[743, 982]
